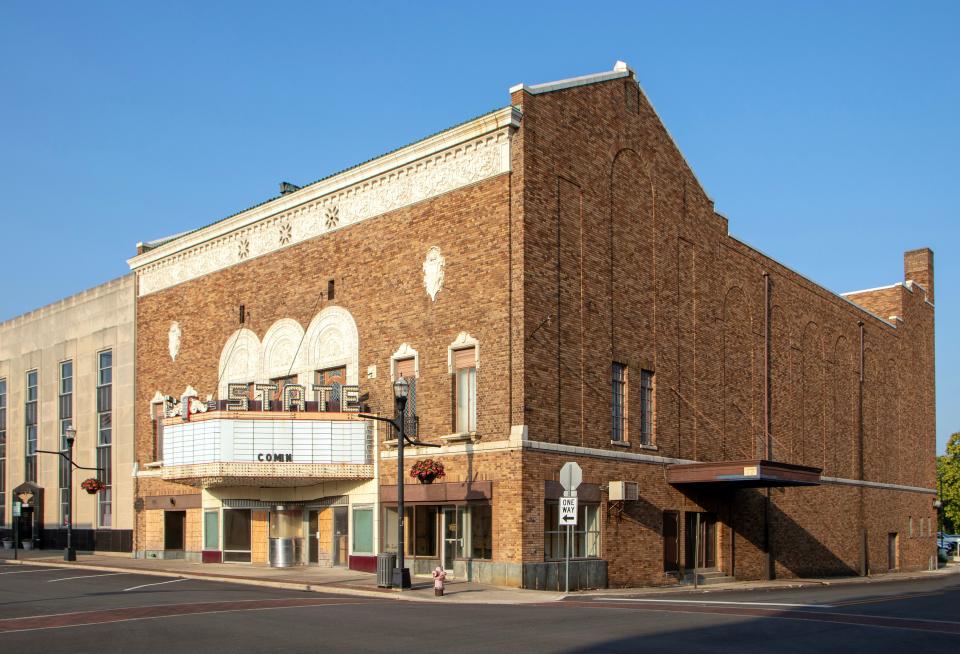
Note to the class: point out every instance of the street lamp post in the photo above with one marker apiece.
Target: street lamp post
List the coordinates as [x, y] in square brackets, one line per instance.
[69, 553]
[70, 435]
[401, 391]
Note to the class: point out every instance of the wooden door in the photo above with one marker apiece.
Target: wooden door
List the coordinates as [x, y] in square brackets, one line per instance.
[324, 536]
[671, 541]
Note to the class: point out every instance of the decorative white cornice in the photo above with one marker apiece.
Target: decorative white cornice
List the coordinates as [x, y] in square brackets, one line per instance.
[452, 159]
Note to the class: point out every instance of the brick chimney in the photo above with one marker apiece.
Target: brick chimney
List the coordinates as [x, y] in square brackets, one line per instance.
[918, 267]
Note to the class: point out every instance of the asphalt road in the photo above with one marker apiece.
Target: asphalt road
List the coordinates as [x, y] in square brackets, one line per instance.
[77, 610]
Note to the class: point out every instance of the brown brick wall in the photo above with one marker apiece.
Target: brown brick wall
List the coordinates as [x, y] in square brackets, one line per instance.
[626, 260]
[377, 267]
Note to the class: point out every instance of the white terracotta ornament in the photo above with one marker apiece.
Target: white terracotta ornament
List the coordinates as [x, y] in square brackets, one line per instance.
[173, 340]
[433, 273]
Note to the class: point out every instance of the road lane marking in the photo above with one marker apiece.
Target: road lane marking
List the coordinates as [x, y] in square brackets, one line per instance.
[23, 572]
[159, 583]
[129, 614]
[730, 602]
[108, 574]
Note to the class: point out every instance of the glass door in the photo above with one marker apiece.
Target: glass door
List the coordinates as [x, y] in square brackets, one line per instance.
[313, 529]
[340, 540]
[453, 528]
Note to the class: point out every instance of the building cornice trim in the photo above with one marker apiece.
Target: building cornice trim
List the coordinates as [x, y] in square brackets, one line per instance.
[453, 159]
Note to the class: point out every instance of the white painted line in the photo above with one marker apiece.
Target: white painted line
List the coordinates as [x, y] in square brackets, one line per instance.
[23, 572]
[108, 574]
[694, 601]
[159, 583]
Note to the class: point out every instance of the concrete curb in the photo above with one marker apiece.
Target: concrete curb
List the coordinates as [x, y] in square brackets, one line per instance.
[771, 585]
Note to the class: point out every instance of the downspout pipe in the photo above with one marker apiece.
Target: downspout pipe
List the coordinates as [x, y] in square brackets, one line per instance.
[864, 560]
[768, 555]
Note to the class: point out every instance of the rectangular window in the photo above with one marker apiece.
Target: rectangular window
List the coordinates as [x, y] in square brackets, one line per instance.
[363, 530]
[406, 369]
[465, 390]
[646, 407]
[481, 531]
[236, 535]
[585, 539]
[335, 378]
[65, 416]
[105, 437]
[211, 530]
[389, 529]
[618, 432]
[3, 452]
[30, 426]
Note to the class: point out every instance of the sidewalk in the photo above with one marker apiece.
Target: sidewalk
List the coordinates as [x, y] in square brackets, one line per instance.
[309, 578]
[351, 582]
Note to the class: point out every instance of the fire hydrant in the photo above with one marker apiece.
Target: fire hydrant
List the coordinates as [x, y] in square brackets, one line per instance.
[439, 576]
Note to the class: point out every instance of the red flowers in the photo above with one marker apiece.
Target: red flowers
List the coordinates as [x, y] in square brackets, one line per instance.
[92, 485]
[427, 470]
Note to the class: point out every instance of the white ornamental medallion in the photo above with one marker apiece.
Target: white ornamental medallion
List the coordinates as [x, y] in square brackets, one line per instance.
[433, 272]
[173, 340]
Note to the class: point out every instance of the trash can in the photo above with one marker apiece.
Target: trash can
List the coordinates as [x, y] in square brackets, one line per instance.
[386, 562]
[282, 552]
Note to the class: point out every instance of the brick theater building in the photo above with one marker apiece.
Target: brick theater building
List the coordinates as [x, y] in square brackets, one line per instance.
[556, 286]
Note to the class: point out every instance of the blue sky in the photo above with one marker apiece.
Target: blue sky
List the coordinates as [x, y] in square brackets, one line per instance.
[826, 132]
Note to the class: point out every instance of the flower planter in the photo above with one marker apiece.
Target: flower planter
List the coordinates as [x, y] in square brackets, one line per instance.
[427, 470]
[7, 544]
[27, 544]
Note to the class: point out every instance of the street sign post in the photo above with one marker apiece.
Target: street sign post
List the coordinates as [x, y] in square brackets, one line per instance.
[571, 475]
[16, 528]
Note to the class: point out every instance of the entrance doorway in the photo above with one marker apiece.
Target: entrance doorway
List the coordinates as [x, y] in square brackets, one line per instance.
[893, 551]
[707, 556]
[26, 523]
[671, 541]
[452, 529]
[329, 541]
[173, 529]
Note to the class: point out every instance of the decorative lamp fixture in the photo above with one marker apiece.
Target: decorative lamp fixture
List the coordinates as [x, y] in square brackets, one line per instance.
[401, 390]
[71, 435]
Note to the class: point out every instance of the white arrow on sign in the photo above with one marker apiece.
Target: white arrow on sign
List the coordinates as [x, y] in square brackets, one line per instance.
[568, 511]
[570, 476]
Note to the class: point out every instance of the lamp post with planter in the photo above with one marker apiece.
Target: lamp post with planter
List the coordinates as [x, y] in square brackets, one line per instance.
[70, 436]
[401, 392]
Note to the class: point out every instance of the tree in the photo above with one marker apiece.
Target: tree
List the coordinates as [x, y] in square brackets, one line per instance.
[948, 476]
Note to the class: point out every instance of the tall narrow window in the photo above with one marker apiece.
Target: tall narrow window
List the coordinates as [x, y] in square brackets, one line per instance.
[465, 390]
[3, 452]
[646, 407]
[65, 416]
[105, 436]
[406, 369]
[30, 427]
[618, 433]
[335, 378]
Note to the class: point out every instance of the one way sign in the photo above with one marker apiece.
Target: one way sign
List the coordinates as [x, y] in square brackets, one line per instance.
[568, 511]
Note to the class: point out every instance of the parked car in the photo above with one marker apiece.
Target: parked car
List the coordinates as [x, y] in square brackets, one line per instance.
[948, 542]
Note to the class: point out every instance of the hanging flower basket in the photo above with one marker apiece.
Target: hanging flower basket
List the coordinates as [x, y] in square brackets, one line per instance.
[93, 485]
[427, 470]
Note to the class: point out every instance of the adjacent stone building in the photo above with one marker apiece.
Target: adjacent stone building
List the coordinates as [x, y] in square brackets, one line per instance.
[556, 286]
[69, 363]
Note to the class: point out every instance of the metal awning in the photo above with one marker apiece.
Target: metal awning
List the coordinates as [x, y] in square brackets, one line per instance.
[756, 473]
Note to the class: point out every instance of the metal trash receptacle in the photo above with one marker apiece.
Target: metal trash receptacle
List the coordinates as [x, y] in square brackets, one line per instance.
[386, 562]
[282, 552]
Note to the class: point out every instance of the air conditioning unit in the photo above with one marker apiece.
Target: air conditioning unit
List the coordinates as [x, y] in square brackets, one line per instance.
[623, 491]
